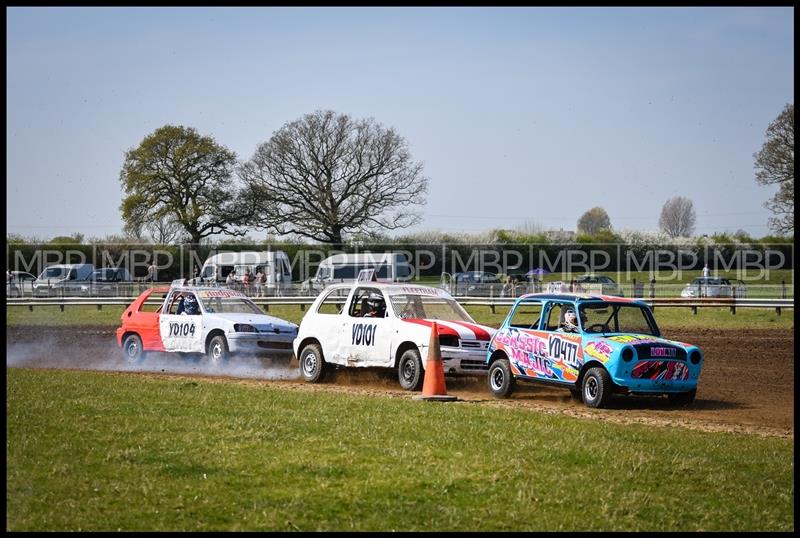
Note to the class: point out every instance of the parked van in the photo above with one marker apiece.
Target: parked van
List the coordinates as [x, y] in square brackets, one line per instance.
[61, 278]
[389, 267]
[274, 264]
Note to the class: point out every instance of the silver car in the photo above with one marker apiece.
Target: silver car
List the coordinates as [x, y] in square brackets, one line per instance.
[708, 286]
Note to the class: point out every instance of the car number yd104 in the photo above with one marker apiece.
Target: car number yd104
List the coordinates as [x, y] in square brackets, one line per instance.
[181, 329]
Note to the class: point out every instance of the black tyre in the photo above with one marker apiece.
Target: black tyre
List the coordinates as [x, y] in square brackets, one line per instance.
[312, 363]
[217, 352]
[132, 349]
[501, 380]
[682, 398]
[597, 387]
[409, 370]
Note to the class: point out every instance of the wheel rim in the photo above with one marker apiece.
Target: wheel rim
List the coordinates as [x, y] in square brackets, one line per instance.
[497, 379]
[408, 371]
[216, 351]
[309, 364]
[591, 388]
[132, 349]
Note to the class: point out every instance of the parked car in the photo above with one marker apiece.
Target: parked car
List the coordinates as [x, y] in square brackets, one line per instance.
[615, 346]
[61, 279]
[107, 281]
[213, 320]
[475, 283]
[601, 284]
[375, 324]
[707, 286]
[19, 283]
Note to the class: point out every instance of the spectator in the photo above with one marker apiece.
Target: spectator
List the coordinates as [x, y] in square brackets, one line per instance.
[706, 272]
[260, 279]
[196, 278]
[231, 279]
[152, 273]
[247, 279]
[278, 280]
[508, 287]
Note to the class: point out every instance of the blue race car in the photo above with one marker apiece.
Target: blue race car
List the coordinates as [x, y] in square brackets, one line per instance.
[594, 345]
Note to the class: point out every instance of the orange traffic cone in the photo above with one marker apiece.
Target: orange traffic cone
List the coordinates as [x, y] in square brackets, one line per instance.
[433, 387]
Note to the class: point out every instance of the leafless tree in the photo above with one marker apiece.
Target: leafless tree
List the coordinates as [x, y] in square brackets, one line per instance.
[677, 217]
[326, 175]
[775, 165]
[593, 221]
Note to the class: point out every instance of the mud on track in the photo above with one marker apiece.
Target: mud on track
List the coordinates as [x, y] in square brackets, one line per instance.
[747, 383]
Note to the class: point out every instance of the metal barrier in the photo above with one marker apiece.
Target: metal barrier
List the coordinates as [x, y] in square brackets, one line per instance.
[493, 303]
[492, 291]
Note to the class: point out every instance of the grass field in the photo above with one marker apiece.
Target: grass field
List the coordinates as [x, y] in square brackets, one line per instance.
[667, 318]
[105, 451]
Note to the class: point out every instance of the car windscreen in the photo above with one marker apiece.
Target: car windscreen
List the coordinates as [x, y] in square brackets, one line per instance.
[53, 272]
[229, 305]
[428, 307]
[351, 271]
[608, 317]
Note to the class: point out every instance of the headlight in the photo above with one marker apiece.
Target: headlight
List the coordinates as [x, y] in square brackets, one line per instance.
[627, 354]
[695, 357]
[244, 328]
[448, 340]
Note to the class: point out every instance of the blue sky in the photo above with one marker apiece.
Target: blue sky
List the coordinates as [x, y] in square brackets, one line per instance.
[520, 115]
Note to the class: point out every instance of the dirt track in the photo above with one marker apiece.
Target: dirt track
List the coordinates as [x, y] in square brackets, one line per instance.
[747, 383]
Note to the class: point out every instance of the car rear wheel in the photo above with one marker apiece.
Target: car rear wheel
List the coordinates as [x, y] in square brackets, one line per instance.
[597, 387]
[312, 363]
[500, 379]
[682, 398]
[217, 352]
[132, 349]
[409, 370]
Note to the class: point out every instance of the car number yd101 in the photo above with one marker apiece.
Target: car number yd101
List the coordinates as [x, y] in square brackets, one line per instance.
[181, 329]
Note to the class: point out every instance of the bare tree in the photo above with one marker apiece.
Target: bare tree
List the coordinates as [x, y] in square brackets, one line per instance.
[677, 217]
[326, 175]
[177, 176]
[775, 165]
[593, 221]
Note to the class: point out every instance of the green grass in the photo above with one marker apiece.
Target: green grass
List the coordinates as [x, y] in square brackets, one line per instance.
[667, 318]
[101, 451]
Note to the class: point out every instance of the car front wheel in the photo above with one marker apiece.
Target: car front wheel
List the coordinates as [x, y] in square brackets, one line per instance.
[500, 379]
[312, 364]
[217, 352]
[597, 387]
[409, 370]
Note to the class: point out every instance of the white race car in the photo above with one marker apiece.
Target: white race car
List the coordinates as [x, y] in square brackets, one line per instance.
[213, 320]
[373, 324]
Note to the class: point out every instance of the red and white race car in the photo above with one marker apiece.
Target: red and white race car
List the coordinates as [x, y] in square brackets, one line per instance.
[213, 320]
[372, 324]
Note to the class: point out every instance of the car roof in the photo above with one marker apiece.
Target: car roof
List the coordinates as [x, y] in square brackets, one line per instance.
[578, 297]
[394, 288]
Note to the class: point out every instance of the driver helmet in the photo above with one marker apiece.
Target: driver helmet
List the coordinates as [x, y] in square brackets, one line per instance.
[376, 303]
[570, 313]
[190, 305]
